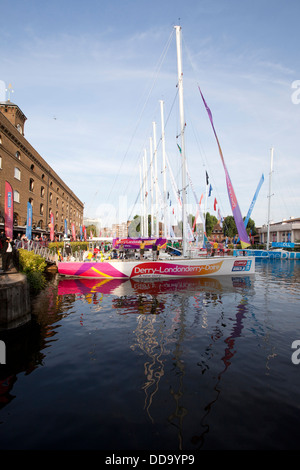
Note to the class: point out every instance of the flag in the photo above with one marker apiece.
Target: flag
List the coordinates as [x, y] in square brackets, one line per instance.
[210, 190]
[29, 221]
[231, 194]
[253, 200]
[66, 228]
[207, 180]
[73, 231]
[9, 210]
[51, 225]
[215, 204]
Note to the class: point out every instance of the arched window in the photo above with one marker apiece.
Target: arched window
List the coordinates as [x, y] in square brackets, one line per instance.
[41, 209]
[31, 184]
[42, 191]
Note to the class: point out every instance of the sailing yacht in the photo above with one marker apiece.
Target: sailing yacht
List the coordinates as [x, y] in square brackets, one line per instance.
[182, 266]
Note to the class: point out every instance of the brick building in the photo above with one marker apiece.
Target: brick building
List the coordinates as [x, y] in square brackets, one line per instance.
[32, 180]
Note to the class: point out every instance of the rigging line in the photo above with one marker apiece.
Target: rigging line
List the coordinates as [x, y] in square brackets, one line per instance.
[160, 62]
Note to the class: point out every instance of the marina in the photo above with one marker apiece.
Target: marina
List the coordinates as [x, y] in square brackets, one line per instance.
[175, 364]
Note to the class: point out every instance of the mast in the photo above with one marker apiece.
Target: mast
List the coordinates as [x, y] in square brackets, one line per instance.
[182, 127]
[151, 187]
[164, 165]
[142, 204]
[269, 202]
[156, 232]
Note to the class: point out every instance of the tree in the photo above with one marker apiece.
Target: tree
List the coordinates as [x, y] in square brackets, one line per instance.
[210, 222]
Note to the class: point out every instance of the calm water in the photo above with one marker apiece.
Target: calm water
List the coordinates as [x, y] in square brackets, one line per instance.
[171, 365]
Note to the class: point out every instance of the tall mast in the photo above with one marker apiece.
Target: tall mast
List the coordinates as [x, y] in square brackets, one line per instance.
[151, 187]
[182, 127]
[164, 165]
[270, 195]
[156, 232]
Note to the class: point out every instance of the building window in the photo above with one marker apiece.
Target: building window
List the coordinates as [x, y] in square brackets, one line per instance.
[16, 196]
[57, 201]
[50, 197]
[32, 167]
[41, 209]
[31, 185]
[17, 173]
[42, 191]
[0, 163]
[31, 201]
[18, 155]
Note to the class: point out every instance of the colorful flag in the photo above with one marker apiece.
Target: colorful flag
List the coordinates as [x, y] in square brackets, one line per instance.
[210, 190]
[215, 204]
[29, 221]
[66, 228]
[9, 210]
[253, 200]
[51, 225]
[232, 197]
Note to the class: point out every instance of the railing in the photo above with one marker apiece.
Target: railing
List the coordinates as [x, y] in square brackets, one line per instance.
[39, 248]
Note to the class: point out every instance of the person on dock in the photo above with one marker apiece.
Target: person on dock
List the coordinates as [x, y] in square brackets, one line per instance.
[7, 252]
[142, 249]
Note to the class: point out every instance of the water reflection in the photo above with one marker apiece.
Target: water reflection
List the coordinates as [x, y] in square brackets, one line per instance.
[179, 339]
[160, 338]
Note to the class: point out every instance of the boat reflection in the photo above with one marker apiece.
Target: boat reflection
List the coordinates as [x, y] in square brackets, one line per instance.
[121, 288]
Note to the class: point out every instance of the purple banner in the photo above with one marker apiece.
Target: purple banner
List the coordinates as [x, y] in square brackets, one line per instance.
[9, 210]
[134, 243]
[233, 200]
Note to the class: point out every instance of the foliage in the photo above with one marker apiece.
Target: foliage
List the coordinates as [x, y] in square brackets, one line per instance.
[30, 262]
[54, 247]
[210, 222]
[33, 266]
[92, 228]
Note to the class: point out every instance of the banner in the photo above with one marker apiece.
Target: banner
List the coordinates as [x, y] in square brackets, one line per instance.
[9, 210]
[232, 197]
[134, 243]
[80, 233]
[84, 233]
[29, 221]
[254, 200]
[51, 225]
[73, 231]
[66, 228]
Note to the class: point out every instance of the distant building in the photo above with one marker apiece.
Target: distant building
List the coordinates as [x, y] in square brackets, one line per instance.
[32, 180]
[288, 230]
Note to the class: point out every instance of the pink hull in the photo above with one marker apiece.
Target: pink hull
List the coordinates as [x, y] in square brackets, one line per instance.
[118, 269]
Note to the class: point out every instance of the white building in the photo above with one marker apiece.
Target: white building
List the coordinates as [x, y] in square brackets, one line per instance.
[288, 230]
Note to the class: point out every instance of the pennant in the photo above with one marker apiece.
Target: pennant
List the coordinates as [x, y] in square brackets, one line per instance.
[207, 180]
[253, 200]
[231, 194]
[66, 228]
[210, 190]
[29, 221]
[51, 225]
[215, 204]
[9, 210]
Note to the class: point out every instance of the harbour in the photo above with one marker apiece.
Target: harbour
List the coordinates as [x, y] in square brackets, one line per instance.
[142, 365]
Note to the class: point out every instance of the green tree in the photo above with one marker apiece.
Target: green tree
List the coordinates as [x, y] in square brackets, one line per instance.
[210, 222]
[230, 229]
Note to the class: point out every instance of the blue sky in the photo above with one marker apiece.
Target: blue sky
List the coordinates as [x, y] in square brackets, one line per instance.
[88, 76]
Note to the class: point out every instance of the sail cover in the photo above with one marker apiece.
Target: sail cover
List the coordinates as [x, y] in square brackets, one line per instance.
[232, 197]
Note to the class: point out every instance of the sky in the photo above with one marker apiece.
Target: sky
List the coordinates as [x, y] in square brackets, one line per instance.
[89, 76]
